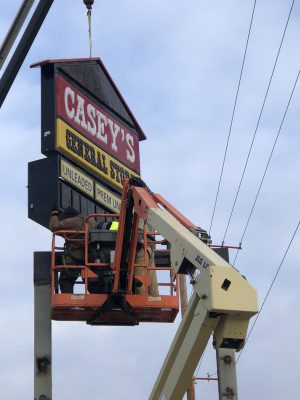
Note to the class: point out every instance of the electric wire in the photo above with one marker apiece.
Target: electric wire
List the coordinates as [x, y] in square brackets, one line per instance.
[258, 121]
[294, 234]
[267, 166]
[232, 118]
[200, 362]
[268, 292]
[270, 288]
[243, 173]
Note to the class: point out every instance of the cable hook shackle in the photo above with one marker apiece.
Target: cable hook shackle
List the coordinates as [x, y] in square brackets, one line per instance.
[89, 4]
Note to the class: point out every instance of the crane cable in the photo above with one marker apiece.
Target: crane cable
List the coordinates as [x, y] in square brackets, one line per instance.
[258, 122]
[89, 4]
[269, 290]
[267, 166]
[232, 117]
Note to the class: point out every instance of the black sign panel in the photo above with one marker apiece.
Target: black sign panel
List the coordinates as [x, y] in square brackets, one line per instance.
[48, 189]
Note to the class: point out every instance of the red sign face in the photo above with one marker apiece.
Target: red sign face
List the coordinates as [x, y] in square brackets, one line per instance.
[95, 124]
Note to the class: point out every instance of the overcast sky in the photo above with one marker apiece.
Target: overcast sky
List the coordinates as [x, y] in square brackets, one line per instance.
[177, 65]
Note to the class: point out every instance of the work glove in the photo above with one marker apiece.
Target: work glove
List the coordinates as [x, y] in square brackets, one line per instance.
[54, 210]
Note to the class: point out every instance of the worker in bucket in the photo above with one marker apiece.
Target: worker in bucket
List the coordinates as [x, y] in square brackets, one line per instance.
[71, 220]
[141, 259]
[145, 259]
[103, 252]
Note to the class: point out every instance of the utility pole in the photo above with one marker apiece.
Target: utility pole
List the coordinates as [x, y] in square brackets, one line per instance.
[184, 302]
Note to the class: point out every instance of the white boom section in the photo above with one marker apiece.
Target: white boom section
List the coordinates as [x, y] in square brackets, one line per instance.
[222, 303]
[184, 244]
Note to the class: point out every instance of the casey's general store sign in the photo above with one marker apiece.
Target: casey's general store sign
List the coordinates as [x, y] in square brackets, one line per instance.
[90, 139]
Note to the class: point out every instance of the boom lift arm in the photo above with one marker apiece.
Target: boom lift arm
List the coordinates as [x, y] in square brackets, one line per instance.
[222, 303]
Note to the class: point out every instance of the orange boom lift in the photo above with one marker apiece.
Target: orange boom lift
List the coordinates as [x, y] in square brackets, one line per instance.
[119, 304]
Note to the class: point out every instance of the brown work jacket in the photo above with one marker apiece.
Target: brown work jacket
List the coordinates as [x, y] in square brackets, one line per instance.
[74, 251]
[140, 259]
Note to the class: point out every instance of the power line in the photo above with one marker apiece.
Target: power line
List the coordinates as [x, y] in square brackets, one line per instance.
[267, 166]
[258, 122]
[269, 290]
[200, 362]
[232, 118]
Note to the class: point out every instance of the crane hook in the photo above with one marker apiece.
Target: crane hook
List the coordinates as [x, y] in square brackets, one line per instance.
[89, 4]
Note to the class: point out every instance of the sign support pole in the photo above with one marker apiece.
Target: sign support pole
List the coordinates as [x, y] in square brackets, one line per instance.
[42, 327]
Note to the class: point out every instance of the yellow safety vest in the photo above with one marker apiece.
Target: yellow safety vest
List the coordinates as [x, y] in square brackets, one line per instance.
[114, 226]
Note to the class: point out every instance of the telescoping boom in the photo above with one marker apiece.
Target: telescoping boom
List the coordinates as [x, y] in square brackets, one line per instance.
[221, 305]
[222, 302]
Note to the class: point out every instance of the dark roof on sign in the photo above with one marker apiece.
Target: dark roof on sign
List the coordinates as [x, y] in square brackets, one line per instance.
[110, 87]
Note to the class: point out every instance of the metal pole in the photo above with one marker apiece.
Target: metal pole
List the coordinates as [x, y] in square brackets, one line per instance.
[183, 302]
[23, 47]
[227, 382]
[14, 30]
[42, 327]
